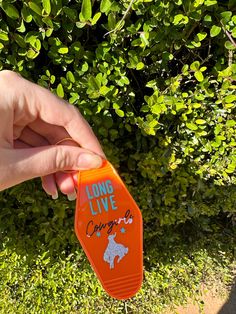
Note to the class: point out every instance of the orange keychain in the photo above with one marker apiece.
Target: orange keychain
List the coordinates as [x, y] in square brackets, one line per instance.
[108, 224]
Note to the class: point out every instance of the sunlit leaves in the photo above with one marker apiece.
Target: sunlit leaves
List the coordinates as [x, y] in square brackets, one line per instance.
[180, 19]
[86, 9]
[199, 76]
[105, 5]
[47, 6]
[215, 30]
[192, 126]
[60, 91]
[10, 10]
[4, 36]
[35, 7]
[63, 50]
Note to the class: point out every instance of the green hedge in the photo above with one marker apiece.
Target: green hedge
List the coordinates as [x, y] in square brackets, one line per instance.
[159, 89]
[156, 80]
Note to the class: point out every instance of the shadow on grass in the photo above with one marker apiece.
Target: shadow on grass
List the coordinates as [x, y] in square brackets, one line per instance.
[230, 306]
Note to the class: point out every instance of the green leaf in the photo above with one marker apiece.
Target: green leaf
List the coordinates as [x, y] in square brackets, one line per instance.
[231, 168]
[215, 30]
[21, 28]
[49, 32]
[201, 36]
[140, 66]
[192, 126]
[229, 45]
[226, 16]
[1, 46]
[63, 50]
[200, 121]
[179, 106]
[35, 7]
[96, 18]
[116, 106]
[144, 38]
[31, 53]
[228, 106]
[180, 19]
[111, 20]
[105, 6]
[85, 67]
[233, 33]
[31, 38]
[86, 9]
[19, 40]
[37, 44]
[52, 79]
[195, 66]
[10, 10]
[199, 76]
[47, 6]
[74, 97]
[156, 109]
[60, 91]
[230, 123]
[80, 24]
[70, 76]
[27, 17]
[94, 83]
[120, 113]
[124, 80]
[210, 2]
[4, 36]
[71, 13]
[185, 69]
[104, 90]
[230, 99]
[207, 18]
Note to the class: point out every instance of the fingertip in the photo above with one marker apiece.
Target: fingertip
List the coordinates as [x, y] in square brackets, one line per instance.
[55, 196]
[65, 183]
[49, 185]
[72, 196]
[89, 161]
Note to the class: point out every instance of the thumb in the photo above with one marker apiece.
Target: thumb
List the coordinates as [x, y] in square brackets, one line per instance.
[18, 165]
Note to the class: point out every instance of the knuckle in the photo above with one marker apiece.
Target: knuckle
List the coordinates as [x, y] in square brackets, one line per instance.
[8, 79]
[8, 75]
[63, 158]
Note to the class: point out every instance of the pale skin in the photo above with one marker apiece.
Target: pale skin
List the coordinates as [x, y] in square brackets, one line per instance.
[32, 121]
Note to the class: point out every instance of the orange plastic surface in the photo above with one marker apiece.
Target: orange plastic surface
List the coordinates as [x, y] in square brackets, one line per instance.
[108, 224]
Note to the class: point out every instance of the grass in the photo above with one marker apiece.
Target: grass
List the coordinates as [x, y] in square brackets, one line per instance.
[50, 274]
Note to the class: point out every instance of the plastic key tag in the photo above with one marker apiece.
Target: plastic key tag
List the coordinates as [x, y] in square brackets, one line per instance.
[108, 224]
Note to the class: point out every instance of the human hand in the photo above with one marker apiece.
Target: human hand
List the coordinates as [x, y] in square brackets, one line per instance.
[33, 120]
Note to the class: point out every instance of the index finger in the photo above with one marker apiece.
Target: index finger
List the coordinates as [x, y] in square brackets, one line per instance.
[38, 102]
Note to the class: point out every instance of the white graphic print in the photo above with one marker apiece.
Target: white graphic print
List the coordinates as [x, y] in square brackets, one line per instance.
[114, 249]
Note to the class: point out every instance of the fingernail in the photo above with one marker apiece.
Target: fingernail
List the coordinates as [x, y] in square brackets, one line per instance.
[72, 196]
[55, 196]
[89, 161]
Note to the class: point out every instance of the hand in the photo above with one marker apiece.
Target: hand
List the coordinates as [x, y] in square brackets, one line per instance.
[32, 121]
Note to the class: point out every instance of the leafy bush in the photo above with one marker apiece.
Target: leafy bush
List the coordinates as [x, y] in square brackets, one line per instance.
[156, 80]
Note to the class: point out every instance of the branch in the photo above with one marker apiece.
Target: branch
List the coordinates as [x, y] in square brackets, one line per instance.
[119, 23]
[228, 34]
[230, 58]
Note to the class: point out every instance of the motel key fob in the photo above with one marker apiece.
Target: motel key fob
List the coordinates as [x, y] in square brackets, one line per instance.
[108, 224]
